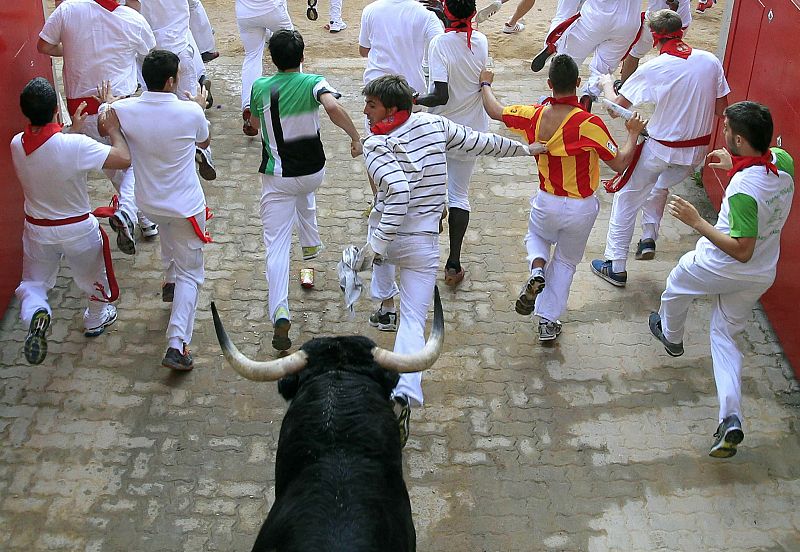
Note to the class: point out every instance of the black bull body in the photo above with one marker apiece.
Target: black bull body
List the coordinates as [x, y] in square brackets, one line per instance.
[338, 474]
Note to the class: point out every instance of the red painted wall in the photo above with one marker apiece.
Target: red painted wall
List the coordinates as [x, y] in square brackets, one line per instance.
[762, 64]
[20, 23]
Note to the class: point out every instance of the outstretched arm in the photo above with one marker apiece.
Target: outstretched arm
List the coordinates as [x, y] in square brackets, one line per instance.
[493, 108]
[342, 119]
[439, 96]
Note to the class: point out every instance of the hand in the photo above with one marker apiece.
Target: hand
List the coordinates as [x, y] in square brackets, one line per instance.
[537, 148]
[107, 122]
[725, 160]
[104, 94]
[684, 211]
[635, 124]
[201, 97]
[356, 148]
[487, 75]
[78, 118]
[367, 257]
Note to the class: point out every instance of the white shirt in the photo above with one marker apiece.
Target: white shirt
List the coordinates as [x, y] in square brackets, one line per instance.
[162, 132]
[451, 61]
[254, 8]
[98, 45]
[169, 20]
[773, 195]
[397, 32]
[684, 92]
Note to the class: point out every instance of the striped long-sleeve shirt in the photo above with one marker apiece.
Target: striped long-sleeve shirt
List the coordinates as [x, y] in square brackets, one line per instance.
[409, 169]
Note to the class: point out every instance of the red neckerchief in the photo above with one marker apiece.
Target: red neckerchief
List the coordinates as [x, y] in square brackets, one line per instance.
[740, 163]
[673, 46]
[565, 100]
[31, 141]
[390, 123]
[110, 5]
[459, 25]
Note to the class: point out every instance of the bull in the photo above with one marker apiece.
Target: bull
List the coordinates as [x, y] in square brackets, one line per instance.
[338, 473]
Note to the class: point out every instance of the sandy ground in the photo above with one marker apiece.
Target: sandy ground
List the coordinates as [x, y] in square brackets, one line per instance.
[703, 33]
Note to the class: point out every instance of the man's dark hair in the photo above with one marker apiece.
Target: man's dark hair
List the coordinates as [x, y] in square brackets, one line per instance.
[38, 101]
[563, 74]
[665, 22]
[392, 91]
[286, 48]
[461, 8]
[158, 66]
[753, 122]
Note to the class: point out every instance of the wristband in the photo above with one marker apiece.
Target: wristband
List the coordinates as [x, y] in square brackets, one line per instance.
[485, 83]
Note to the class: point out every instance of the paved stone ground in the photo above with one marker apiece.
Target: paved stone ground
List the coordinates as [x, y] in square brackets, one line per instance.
[596, 443]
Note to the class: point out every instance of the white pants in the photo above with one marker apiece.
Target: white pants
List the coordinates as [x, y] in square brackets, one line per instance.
[566, 223]
[733, 302]
[646, 190]
[564, 10]
[82, 248]
[187, 73]
[182, 259]
[197, 61]
[608, 37]
[335, 11]
[200, 27]
[284, 202]
[255, 32]
[459, 171]
[417, 257]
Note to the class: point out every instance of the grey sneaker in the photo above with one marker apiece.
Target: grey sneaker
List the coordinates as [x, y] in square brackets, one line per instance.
[530, 289]
[402, 411]
[205, 164]
[177, 360]
[383, 320]
[280, 336]
[93, 328]
[548, 330]
[728, 435]
[646, 250]
[673, 349]
[35, 348]
[123, 226]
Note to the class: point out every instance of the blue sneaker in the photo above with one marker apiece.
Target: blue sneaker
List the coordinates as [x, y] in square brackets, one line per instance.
[603, 269]
[673, 349]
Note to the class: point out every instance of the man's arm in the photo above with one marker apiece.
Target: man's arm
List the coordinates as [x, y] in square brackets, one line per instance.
[385, 171]
[474, 143]
[439, 96]
[634, 126]
[44, 47]
[362, 51]
[740, 249]
[720, 105]
[493, 108]
[340, 118]
[200, 99]
[120, 156]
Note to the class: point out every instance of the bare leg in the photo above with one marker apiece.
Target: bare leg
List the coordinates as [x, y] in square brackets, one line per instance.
[523, 7]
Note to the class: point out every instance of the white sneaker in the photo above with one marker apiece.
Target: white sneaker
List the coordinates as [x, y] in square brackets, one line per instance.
[205, 163]
[148, 227]
[487, 11]
[96, 325]
[515, 28]
[336, 26]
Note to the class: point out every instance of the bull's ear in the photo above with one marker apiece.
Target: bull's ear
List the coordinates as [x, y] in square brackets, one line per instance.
[288, 385]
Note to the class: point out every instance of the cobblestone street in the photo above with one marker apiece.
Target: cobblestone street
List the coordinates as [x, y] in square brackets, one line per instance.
[598, 442]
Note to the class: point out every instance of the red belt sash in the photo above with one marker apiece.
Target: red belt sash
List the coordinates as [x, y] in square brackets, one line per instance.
[616, 183]
[559, 30]
[92, 105]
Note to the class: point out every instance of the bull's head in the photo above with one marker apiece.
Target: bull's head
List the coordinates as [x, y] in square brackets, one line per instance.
[274, 370]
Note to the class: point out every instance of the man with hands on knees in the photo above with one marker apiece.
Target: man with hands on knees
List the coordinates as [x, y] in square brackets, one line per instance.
[734, 262]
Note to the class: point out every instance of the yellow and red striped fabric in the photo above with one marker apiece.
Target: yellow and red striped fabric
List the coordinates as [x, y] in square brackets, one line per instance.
[571, 166]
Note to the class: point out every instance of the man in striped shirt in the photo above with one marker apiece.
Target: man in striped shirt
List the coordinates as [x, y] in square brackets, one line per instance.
[564, 210]
[405, 157]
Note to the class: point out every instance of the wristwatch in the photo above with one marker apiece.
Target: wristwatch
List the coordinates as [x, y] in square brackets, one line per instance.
[485, 83]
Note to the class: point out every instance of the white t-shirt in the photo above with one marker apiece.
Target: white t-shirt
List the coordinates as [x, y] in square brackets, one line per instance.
[98, 45]
[162, 132]
[254, 8]
[397, 32]
[684, 92]
[169, 20]
[451, 61]
[773, 195]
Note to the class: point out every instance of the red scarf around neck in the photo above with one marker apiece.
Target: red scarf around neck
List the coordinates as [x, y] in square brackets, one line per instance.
[390, 123]
[32, 140]
[741, 162]
[459, 25]
[110, 5]
[673, 46]
[565, 100]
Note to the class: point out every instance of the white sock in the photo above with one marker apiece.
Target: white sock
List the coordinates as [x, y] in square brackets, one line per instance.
[618, 265]
[175, 343]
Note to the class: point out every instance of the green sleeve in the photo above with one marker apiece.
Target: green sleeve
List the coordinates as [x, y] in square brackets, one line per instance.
[743, 216]
[783, 161]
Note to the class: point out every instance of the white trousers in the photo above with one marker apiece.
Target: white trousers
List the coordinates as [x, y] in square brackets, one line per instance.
[647, 191]
[608, 37]
[188, 78]
[566, 223]
[82, 248]
[182, 259]
[200, 27]
[564, 10]
[733, 301]
[335, 10]
[284, 202]
[459, 172]
[254, 33]
[417, 257]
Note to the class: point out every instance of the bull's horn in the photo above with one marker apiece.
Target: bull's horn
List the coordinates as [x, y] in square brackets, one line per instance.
[417, 362]
[271, 370]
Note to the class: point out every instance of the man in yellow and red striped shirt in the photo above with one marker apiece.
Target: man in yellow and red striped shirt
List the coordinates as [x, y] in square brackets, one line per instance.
[565, 208]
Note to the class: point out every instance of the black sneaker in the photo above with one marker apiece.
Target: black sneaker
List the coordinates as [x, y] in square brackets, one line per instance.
[729, 434]
[673, 349]
[280, 337]
[168, 292]
[206, 82]
[586, 102]
[121, 224]
[530, 289]
[176, 360]
[209, 56]
[646, 250]
[36, 343]
[617, 86]
[384, 321]
[402, 411]
[541, 58]
[205, 164]
[603, 269]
